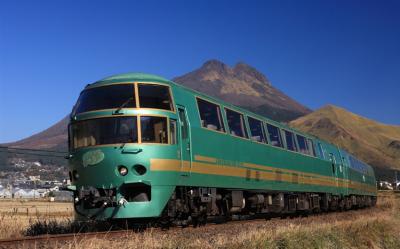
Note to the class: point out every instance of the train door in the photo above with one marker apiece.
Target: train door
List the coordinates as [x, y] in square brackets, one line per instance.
[332, 159]
[344, 172]
[185, 143]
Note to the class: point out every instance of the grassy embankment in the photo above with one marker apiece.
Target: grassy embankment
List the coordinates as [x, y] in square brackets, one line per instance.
[377, 227]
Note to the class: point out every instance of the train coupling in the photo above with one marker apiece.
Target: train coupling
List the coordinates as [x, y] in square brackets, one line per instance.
[91, 197]
[122, 201]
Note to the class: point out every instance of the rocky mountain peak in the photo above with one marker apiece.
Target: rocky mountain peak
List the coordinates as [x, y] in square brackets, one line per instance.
[244, 71]
[215, 65]
[245, 86]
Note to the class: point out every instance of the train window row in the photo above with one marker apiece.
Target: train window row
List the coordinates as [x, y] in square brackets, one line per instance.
[211, 118]
[123, 96]
[358, 165]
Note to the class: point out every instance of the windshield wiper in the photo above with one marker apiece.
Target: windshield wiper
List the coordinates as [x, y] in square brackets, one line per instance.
[123, 105]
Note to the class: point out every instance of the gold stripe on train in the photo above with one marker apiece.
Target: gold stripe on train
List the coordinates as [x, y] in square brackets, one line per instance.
[274, 175]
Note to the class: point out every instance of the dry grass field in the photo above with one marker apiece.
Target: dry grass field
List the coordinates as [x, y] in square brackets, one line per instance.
[17, 215]
[377, 227]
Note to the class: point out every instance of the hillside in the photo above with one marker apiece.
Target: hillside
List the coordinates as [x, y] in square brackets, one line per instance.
[54, 138]
[375, 143]
[244, 86]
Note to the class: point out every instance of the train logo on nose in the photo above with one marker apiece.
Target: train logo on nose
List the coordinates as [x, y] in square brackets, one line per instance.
[92, 157]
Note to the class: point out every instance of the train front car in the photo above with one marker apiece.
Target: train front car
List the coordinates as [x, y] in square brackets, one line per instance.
[118, 126]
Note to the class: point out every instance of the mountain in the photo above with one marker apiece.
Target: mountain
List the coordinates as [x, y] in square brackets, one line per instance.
[375, 143]
[244, 86]
[54, 138]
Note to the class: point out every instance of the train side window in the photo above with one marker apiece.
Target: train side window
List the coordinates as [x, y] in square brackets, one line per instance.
[303, 146]
[183, 122]
[321, 151]
[274, 135]
[154, 96]
[333, 161]
[154, 129]
[311, 147]
[236, 123]
[256, 130]
[210, 115]
[172, 130]
[290, 142]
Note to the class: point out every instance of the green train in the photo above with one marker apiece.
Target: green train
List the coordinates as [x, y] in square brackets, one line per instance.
[143, 147]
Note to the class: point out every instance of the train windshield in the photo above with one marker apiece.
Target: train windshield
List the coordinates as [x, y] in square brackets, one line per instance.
[104, 131]
[106, 97]
[154, 96]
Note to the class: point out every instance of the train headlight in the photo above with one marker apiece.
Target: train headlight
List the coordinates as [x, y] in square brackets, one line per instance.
[75, 174]
[123, 170]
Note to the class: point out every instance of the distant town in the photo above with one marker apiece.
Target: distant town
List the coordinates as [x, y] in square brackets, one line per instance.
[25, 179]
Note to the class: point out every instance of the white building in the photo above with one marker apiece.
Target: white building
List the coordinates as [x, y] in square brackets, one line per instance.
[5, 193]
[43, 192]
[19, 193]
[33, 194]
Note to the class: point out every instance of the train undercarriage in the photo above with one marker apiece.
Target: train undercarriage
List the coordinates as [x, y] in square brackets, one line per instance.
[197, 205]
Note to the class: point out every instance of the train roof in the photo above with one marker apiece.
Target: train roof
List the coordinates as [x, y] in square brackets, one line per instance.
[129, 77]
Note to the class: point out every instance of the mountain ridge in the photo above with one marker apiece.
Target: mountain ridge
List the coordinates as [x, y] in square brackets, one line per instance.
[373, 142]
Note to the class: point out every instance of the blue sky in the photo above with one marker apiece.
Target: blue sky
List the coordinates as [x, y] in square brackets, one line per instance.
[345, 53]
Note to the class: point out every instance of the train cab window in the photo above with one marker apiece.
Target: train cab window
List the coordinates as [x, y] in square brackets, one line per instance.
[236, 123]
[154, 96]
[103, 131]
[303, 146]
[311, 147]
[256, 130]
[290, 142]
[172, 130]
[154, 129]
[210, 115]
[106, 97]
[274, 135]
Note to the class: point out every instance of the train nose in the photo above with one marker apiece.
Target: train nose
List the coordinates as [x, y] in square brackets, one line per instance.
[108, 166]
